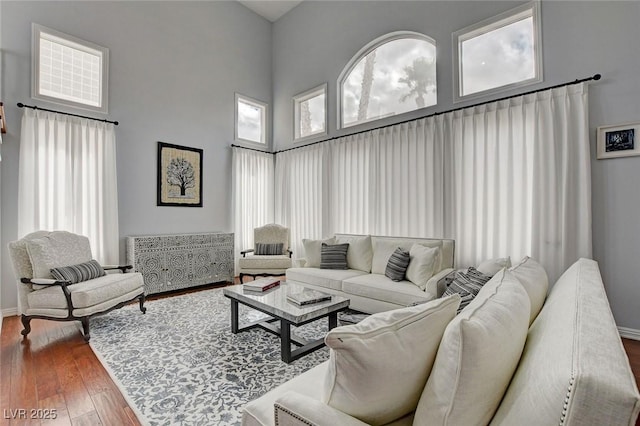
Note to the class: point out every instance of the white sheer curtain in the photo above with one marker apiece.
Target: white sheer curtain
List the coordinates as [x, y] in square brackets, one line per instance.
[384, 182]
[301, 193]
[252, 194]
[68, 181]
[506, 178]
[520, 179]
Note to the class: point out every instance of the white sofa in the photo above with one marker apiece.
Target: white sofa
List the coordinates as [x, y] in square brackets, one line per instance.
[365, 284]
[573, 370]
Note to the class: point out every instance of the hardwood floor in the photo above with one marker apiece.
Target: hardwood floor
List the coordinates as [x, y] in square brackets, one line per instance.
[55, 370]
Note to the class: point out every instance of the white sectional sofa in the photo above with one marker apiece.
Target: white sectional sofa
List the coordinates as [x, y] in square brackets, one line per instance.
[365, 283]
[570, 369]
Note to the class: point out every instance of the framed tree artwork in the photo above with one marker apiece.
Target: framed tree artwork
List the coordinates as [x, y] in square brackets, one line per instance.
[179, 176]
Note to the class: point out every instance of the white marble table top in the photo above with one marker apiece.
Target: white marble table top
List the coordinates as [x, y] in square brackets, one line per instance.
[275, 303]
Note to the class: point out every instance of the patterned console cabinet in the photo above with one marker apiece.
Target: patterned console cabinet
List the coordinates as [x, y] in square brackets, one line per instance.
[173, 262]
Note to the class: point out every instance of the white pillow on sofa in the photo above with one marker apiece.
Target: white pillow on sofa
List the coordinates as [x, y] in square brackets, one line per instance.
[313, 250]
[360, 253]
[423, 263]
[378, 367]
[382, 251]
[477, 357]
[534, 279]
[492, 266]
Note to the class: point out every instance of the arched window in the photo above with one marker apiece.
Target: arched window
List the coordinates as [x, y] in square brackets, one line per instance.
[393, 74]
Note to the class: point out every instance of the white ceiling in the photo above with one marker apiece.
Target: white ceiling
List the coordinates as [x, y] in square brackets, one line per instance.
[271, 9]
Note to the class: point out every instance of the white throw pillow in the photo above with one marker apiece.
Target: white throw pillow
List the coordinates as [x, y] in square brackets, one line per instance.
[378, 367]
[492, 266]
[534, 279]
[360, 253]
[423, 262]
[478, 354]
[312, 251]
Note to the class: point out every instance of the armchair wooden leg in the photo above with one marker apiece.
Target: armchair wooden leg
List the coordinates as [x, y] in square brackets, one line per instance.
[141, 299]
[26, 323]
[241, 278]
[85, 328]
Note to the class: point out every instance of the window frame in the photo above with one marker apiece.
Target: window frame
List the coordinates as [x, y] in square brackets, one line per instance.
[264, 116]
[368, 48]
[305, 96]
[491, 24]
[75, 43]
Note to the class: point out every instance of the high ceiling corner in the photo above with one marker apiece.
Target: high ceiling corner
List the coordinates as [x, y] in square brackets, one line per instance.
[271, 9]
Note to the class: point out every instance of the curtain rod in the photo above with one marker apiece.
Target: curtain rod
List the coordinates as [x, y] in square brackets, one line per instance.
[21, 105]
[595, 77]
[250, 149]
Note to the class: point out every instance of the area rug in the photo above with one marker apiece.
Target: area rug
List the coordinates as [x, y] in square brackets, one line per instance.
[180, 364]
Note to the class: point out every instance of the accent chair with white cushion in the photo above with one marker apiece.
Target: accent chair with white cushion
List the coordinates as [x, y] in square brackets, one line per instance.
[58, 279]
[270, 256]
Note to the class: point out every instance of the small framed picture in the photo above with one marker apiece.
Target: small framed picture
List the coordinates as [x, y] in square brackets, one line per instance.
[179, 176]
[622, 140]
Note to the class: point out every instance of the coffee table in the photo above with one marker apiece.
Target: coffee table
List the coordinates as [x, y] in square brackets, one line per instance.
[274, 303]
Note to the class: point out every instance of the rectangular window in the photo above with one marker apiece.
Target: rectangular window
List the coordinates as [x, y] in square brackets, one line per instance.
[310, 113]
[500, 53]
[251, 120]
[68, 70]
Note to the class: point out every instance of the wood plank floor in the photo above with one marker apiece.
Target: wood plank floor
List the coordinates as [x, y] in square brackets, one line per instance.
[55, 369]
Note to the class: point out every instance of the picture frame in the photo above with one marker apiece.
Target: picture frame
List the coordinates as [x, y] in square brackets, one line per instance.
[179, 176]
[620, 140]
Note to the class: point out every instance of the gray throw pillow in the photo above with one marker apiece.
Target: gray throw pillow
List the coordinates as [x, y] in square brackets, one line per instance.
[334, 256]
[467, 285]
[78, 273]
[269, 248]
[397, 265]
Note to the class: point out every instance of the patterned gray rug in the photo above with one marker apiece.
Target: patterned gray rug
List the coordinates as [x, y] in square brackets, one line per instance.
[180, 364]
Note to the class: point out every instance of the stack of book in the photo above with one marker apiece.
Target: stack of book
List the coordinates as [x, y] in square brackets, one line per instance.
[308, 297]
[261, 285]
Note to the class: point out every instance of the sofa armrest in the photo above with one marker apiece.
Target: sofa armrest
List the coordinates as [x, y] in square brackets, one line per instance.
[436, 284]
[293, 408]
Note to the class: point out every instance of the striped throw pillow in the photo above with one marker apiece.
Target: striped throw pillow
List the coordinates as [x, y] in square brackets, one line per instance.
[397, 265]
[269, 248]
[467, 285]
[78, 273]
[334, 256]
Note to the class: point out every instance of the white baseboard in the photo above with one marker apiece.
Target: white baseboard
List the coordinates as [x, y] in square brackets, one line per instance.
[9, 312]
[629, 333]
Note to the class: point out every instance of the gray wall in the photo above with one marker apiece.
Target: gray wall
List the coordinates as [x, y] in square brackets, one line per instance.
[174, 68]
[315, 40]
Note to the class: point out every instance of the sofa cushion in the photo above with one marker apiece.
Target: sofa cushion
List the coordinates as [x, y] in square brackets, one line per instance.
[378, 367]
[383, 248]
[312, 251]
[360, 253]
[327, 278]
[397, 265]
[256, 261]
[78, 273]
[333, 256]
[534, 279]
[574, 370]
[59, 248]
[423, 264]
[379, 287]
[478, 354]
[492, 266]
[86, 293]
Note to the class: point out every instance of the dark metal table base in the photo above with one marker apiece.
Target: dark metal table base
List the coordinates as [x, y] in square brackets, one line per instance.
[284, 331]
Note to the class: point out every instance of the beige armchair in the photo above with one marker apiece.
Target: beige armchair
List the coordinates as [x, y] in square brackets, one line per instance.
[270, 256]
[79, 292]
